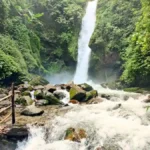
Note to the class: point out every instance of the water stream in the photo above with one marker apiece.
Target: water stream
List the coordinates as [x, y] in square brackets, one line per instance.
[125, 128]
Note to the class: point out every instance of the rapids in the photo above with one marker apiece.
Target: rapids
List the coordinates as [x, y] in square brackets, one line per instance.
[125, 128]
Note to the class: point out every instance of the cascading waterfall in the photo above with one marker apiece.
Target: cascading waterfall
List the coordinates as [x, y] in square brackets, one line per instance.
[84, 52]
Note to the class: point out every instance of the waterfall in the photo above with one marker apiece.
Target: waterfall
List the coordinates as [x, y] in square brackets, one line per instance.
[84, 52]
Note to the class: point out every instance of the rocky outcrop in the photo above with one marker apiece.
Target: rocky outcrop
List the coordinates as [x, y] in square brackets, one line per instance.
[32, 111]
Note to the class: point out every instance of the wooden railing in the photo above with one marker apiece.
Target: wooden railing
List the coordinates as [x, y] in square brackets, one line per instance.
[12, 105]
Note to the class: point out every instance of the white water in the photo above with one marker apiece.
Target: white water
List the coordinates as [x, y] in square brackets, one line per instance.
[84, 52]
[126, 128]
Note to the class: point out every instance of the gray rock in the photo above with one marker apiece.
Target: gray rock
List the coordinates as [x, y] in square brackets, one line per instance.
[42, 102]
[32, 111]
[50, 88]
[59, 94]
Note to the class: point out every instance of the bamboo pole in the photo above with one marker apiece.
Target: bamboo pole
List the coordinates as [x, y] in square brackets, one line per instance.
[13, 104]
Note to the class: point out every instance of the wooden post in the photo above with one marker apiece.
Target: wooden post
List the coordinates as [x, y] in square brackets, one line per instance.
[13, 104]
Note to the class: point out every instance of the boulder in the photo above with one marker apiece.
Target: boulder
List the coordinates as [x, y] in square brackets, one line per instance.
[39, 94]
[59, 94]
[52, 100]
[25, 93]
[75, 135]
[95, 100]
[116, 107]
[32, 111]
[50, 88]
[86, 87]
[147, 100]
[91, 94]
[21, 101]
[77, 93]
[106, 96]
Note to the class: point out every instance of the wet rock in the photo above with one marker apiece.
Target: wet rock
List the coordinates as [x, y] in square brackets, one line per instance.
[32, 111]
[86, 87]
[39, 94]
[91, 94]
[52, 100]
[75, 135]
[116, 107]
[106, 96]
[74, 101]
[17, 133]
[59, 94]
[25, 93]
[21, 101]
[77, 93]
[50, 88]
[95, 100]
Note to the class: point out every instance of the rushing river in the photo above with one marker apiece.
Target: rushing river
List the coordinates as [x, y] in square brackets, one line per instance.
[107, 126]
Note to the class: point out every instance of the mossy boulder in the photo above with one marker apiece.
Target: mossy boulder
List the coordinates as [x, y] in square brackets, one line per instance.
[75, 135]
[25, 93]
[39, 94]
[21, 101]
[52, 100]
[77, 93]
[86, 87]
[38, 81]
[91, 94]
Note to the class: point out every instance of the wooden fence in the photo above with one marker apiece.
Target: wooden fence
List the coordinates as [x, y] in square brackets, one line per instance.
[12, 105]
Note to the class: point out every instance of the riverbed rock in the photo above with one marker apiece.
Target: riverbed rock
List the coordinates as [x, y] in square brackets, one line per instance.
[50, 88]
[86, 87]
[95, 100]
[59, 94]
[32, 111]
[91, 94]
[39, 87]
[75, 135]
[21, 101]
[52, 100]
[106, 96]
[77, 93]
[147, 100]
[39, 94]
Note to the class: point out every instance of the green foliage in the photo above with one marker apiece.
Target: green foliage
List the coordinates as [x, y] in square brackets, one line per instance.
[137, 56]
[115, 23]
[9, 69]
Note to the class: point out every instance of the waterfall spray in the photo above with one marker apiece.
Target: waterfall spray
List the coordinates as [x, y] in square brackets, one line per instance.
[84, 52]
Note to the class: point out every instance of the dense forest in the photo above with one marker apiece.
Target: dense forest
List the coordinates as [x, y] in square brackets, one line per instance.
[40, 38]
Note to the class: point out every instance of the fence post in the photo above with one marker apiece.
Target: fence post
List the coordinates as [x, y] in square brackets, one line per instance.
[13, 104]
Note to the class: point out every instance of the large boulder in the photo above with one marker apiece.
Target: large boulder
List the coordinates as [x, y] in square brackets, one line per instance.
[75, 135]
[91, 94]
[86, 87]
[59, 94]
[77, 93]
[32, 111]
[50, 88]
[52, 100]
[39, 94]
